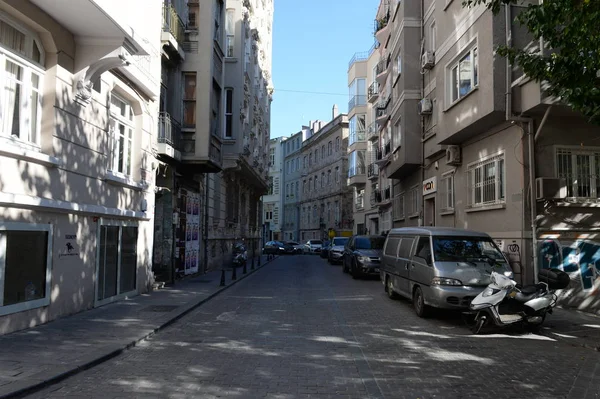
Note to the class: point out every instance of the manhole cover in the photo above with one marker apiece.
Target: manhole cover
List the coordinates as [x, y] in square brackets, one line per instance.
[160, 308]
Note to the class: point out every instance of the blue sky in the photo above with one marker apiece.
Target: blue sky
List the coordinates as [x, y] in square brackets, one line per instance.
[313, 40]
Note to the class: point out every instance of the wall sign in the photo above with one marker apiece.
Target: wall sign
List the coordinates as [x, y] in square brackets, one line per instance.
[430, 185]
[69, 246]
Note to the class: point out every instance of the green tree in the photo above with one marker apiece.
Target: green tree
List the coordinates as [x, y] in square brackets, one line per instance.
[571, 32]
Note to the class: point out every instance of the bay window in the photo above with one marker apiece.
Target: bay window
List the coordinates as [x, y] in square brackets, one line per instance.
[358, 127]
[357, 163]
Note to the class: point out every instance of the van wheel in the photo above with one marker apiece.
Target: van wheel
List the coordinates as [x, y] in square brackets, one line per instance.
[388, 288]
[419, 303]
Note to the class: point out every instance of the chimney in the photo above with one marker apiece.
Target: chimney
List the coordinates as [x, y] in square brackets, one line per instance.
[334, 111]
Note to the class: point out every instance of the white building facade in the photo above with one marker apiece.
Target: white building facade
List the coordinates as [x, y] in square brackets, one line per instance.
[272, 202]
[77, 132]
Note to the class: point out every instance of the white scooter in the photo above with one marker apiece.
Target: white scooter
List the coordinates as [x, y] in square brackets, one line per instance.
[504, 303]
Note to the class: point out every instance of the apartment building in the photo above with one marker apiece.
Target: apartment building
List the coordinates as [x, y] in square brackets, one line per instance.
[326, 200]
[481, 146]
[371, 190]
[292, 181]
[78, 131]
[272, 202]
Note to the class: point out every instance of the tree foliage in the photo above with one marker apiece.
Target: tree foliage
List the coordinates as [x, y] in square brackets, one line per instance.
[571, 34]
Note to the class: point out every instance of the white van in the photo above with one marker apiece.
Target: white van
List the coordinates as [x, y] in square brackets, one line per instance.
[438, 266]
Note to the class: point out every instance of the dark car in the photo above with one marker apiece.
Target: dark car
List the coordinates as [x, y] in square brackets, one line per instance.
[325, 249]
[362, 255]
[291, 248]
[273, 248]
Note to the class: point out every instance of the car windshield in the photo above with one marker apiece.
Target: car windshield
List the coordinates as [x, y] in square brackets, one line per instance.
[291, 243]
[369, 242]
[466, 249]
[316, 242]
[340, 241]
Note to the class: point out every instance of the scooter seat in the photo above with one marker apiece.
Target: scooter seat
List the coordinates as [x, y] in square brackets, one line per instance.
[521, 297]
[529, 289]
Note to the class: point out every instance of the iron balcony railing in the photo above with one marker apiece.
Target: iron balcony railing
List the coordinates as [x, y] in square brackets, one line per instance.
[169, 131]
[373, 90]
[387, 193]
[378, 196]
[172, 23]
[373, 170]
[373, 130]
[362, 56]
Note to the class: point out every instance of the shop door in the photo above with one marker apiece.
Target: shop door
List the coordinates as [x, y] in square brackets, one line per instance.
[117, 262]
[430, 212]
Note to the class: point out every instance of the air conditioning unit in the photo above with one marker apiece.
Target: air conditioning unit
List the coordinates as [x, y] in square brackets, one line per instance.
[453, 155]
[425, 106]
[550, 188]
[428, 60]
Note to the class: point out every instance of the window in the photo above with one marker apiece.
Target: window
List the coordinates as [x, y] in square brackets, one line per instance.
[432, 34]
[304, 187]
[581, 170]
[316, 183]
[276, 185]
[193, 12]
[189, 99]
[297, 187]
[391, 247]
[20, 96]
[397, 135]
[287, 190]
[117, 263]
[337, 144]
[337, 174]
[405, 247]
[323, 180]
[357, 93]
[309, 183]
[230, 33]
[413, 202]
[316, 156]
[310, 159]
[25, 264]
[464, 75]
[398, 65]
[358, 128]
[218, 16]
[297, 164]
[304, 165]
[323, 152]
[272, 156]
[359, 196]
[228, 113]
[268, 215]
[398, 207]
[121, 125]
[357, 163]
[486, 181]
[447, 191]
[329, 148]
[329, 177]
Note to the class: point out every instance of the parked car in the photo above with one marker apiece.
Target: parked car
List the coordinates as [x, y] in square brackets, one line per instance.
[291, 248]
[362, 255]
[313, 246]
[439, 267]
[273, 248]
[335, 253]
[325, 249]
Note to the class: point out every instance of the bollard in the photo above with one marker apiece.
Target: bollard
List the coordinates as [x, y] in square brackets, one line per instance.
[258, 260]
[244, 271]
[234, 273]
[252, 265]
[222, 284]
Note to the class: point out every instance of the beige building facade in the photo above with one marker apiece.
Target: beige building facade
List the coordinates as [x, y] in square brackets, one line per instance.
[475, 144]
[325, 198]
[78, 130]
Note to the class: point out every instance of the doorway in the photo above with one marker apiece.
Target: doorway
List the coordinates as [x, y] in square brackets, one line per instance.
[430, 211]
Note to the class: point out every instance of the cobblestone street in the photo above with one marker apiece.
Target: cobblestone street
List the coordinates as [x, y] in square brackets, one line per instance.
[300, 328]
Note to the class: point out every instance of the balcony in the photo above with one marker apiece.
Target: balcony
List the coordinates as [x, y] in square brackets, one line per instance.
[173, 31]
[356, 176]
[201, 153]
[383, 67]
[382, 113]
[373, 92]
[169, 136]
[382, 155]
[381, 29]
[373, 131]
[357, 101]
[373, 171]
[383, 197]
[360, 202]
[407, 158]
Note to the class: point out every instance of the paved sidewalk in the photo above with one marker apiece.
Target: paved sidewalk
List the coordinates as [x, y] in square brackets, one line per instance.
[33, 358]
[573, 327]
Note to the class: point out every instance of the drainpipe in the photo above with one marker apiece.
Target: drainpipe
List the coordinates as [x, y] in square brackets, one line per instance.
[206, 197]
[422, 217]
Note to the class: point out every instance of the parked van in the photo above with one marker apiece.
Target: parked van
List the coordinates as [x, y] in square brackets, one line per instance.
[438, 266]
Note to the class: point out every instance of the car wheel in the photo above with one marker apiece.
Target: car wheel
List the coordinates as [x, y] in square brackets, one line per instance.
[388, 288]
[419, 303]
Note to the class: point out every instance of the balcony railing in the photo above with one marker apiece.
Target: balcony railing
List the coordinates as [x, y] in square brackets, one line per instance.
[373, 91]
[373, 131]
[387, 148]
[357, 100]
[387, 193]
[373, 171]
[381, 23]
[381, 67]
[169, 131]
[172, 23]
[378, 196]
[356, 171]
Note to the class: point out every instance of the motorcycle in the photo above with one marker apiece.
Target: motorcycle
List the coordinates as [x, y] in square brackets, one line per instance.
[240, 255]
[504, 302]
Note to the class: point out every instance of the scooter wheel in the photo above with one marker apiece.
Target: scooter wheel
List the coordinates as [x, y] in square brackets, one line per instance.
[479, 323]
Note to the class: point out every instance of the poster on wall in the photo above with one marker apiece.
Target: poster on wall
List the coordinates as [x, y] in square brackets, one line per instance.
[192, 240]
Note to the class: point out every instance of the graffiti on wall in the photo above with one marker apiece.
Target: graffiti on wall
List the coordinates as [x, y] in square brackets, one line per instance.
[578, 255]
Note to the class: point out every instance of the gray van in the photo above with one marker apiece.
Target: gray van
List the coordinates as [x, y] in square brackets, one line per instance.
[439, 267]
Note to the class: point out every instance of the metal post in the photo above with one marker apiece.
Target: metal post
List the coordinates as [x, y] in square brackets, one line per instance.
[244, 270]
[258, 260]
[234, 273]
[253, 254]
[222, 284]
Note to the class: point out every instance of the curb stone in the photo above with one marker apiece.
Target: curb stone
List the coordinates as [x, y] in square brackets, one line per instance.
[19, 389]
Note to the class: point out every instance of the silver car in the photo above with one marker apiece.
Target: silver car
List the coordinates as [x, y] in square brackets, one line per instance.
[336, 250]
[313, 246]
[439, 267]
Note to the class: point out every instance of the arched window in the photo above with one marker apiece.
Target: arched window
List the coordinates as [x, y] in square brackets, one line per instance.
[21, 73]
[337, 144]
[329, 148]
